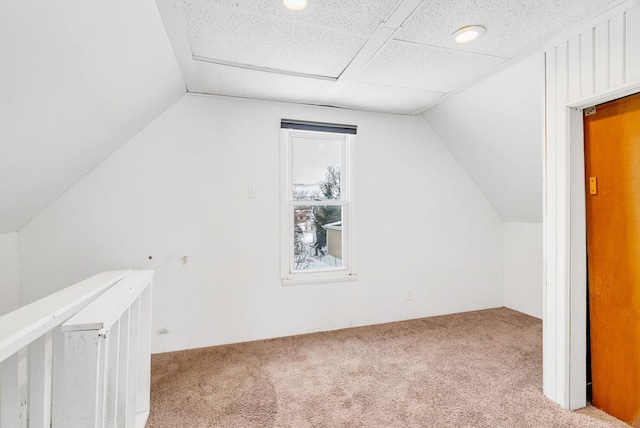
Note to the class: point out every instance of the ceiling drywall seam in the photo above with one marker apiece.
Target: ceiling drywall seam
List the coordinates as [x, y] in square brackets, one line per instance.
[373, 46]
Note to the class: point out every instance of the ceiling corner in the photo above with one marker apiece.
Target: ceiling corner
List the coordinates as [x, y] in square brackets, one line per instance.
[176, 29]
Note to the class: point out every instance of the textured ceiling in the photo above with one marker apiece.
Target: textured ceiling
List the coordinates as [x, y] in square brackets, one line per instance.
[513, 26]
[428, 68]
[394, 56]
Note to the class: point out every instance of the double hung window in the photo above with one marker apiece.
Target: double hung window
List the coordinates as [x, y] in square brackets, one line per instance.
[318, 202]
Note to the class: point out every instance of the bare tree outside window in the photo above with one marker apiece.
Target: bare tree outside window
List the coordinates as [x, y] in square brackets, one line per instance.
[310, 234]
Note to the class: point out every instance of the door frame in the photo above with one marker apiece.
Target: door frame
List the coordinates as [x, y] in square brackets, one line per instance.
[576, 242]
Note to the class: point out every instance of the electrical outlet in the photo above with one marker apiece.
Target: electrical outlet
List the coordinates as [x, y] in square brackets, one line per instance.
[409, 294]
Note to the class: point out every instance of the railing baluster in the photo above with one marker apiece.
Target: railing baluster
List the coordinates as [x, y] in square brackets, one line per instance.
[143, 392]
[23, 385]
[101, 381]
[9, 393]
[132, 375]
[40, 374]
[124, 370]
[112, 377]
[57, 376]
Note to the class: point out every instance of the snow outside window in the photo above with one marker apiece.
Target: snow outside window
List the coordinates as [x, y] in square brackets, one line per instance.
[318, 203]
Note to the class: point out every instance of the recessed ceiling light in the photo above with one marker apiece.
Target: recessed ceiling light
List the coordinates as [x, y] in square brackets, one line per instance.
[468, 33]
[295, 4]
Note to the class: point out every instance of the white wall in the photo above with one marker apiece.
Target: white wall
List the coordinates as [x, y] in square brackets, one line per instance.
[9, 273]
[178, 192]
[495, 130]
[523, 267]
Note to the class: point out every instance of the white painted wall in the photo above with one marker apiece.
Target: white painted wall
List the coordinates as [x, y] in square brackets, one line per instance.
[77, 80]
[9, 273]
[523, 267]
[495, 130]
[178, 192]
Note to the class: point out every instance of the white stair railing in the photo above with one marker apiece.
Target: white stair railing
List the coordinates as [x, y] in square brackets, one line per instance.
[107, 364]
[41, 365]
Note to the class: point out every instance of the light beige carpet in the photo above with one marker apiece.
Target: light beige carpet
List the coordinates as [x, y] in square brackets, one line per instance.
[476, 369]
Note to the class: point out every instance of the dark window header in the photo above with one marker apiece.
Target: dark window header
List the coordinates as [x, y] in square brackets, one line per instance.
[319, 127]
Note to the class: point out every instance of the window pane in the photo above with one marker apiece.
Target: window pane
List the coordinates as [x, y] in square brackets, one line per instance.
[317, 237]
[316, 168]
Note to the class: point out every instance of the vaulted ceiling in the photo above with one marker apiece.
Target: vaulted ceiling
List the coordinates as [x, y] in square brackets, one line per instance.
[77, 80]
[495, 131]
[394, 56]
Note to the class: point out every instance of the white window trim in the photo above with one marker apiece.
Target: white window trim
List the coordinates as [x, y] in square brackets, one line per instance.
[349, 208]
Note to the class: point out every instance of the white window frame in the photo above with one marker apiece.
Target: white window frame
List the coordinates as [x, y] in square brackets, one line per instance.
[348, 271]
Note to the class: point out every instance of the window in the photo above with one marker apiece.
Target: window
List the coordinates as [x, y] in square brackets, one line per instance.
[318, 202]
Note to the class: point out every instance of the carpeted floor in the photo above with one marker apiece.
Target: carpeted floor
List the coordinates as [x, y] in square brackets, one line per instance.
[475, 369]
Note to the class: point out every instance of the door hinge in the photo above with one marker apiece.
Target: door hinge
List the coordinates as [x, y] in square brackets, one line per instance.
[593, 185]
[589, 111]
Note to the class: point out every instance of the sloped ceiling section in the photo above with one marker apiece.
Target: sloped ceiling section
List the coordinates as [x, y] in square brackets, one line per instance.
[495, 129]
[77, 80]
[392, 56]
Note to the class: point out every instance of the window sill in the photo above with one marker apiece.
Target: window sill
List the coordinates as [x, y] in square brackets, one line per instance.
[319, 279]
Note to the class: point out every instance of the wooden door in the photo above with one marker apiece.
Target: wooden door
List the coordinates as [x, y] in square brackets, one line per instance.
[612, 156]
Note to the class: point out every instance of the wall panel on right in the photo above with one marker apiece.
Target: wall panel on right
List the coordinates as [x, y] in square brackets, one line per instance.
[597, 63]
[523, 267]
